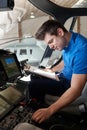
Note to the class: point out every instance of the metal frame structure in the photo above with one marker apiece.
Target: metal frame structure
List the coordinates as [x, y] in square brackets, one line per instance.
[58, 12]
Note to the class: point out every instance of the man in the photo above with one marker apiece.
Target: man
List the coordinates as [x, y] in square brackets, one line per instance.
[73, 68]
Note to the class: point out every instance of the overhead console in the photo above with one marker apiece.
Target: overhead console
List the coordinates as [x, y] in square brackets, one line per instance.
[6, 5]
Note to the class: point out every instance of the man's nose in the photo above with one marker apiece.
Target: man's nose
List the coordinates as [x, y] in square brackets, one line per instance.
[51, 46]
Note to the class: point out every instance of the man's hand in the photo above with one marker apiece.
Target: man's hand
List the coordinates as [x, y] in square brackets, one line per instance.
[41, 115]
[48, 70]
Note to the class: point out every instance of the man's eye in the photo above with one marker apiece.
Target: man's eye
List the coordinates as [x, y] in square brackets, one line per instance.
[50, 41]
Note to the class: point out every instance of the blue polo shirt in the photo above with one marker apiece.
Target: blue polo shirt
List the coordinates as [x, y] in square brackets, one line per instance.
[75, 56]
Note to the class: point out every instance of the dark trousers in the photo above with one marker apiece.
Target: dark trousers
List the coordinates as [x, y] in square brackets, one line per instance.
[40, 86]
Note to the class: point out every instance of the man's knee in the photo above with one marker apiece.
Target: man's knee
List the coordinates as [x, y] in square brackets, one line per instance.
[26, 126]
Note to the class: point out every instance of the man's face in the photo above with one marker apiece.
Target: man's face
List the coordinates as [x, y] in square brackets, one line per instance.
[55, 42]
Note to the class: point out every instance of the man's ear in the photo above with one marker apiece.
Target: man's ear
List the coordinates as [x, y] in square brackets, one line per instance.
[60, 32]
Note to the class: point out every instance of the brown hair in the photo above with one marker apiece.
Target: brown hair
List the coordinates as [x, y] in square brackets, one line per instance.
[50, 27]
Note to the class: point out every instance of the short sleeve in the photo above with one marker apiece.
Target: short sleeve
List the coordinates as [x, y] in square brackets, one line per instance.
[80, 62]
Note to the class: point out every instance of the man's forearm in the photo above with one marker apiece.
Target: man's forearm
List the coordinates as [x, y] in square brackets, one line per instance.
[68, 97]
[58, 67]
